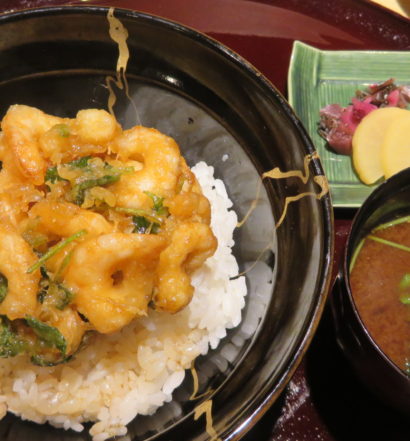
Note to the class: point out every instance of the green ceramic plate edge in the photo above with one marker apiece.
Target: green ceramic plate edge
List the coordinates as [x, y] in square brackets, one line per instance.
[319, 77]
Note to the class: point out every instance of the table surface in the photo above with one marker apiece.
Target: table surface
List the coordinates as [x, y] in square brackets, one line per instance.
[323, 401]
[401, 7]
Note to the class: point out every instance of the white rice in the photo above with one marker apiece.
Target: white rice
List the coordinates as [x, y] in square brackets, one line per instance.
[135, 370]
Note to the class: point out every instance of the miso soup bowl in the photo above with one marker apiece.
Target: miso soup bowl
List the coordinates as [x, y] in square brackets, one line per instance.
[390, 384]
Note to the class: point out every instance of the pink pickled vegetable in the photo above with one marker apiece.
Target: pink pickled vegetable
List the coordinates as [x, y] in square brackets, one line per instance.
[338, 124]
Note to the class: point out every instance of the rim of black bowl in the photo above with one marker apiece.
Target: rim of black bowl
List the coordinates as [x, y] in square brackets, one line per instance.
[262, 399]
[369, 205]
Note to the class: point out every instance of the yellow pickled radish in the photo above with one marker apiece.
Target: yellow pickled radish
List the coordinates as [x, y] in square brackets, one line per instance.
[367, 142]
[395, 152]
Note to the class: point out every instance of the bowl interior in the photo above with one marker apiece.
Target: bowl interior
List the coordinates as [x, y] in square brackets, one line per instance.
[220, 110]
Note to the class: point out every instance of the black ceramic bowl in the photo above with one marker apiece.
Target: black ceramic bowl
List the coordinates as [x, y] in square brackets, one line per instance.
[221, 110]
[391, 200]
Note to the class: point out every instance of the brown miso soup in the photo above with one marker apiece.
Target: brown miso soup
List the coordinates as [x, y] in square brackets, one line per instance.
[380, 285]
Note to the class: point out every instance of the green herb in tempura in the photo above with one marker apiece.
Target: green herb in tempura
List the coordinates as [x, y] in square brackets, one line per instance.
[59, 295]
[51, 338]
[143, 226]
[4, 287]
[63, 130]
[52, 292]
[137, 212]
[158, 204]
[80, 162]
[78, 190]
[50, 335]
[55, 249]
[52, 173]
[37, 240]
[90, 172]
[43, 286]
[63, 296]
[145, 221]
[10, 342]
[62, 267]
[45, 361]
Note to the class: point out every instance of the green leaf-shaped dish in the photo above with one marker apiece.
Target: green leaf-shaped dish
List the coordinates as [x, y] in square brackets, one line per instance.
[317, 78]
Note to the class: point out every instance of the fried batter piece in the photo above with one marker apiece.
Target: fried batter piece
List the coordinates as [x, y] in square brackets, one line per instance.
[119, 288]
[97, 225]
[191, 244]
[16, 256]
[161, 167]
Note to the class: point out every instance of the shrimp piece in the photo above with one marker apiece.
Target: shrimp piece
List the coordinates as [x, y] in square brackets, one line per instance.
[161, 169]
[96, 126]
[186, 207]
[8, 212]
[187, 180]
[16, 257]
[16, 194]
[191, 244]
[22, 127]
[64, 219]
[190, 206]
[112, 277]
[34, 137]
[15, 202]
[87, 134]
[9, 173]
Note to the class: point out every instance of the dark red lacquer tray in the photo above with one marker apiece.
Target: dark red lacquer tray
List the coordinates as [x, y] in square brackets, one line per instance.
[323, 400]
